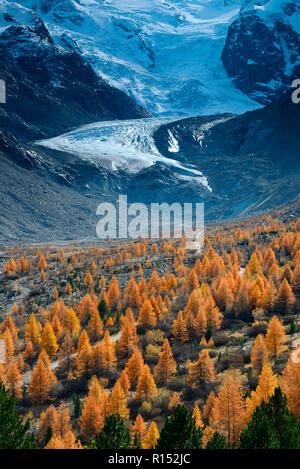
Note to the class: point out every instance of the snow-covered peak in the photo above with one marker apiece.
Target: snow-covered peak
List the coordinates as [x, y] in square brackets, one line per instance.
[165, 54]
[280, 10]
[262, 51]
[270, 7]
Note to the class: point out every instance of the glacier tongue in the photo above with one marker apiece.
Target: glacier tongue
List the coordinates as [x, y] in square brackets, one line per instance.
[122, 145]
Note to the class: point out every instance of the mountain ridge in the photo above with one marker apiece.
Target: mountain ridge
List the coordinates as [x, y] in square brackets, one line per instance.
[262, 50]
[51, 89]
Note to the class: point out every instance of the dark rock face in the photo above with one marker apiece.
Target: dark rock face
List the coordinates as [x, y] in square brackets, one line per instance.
[50, 89]
[45, 194]
[252, 161]
[262, 50]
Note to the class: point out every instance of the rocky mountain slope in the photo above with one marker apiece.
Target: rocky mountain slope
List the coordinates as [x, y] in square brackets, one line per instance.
[262, 50]
[50, 89]
[251, 161]
[46, 194]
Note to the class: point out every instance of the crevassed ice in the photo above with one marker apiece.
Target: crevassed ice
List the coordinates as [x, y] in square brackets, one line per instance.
[126, 145]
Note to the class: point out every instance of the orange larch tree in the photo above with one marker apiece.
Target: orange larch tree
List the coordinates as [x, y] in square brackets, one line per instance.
[174, 401]
[132, 296]
[125, 383]
[66, 352]
[275, 337]
[9, 345]
[88, 280]
[48, 341]
[63, 421]
[118, 402]
[295, 278]
[285, 299]
[265, 388]
[259, 354]
[85, 307]
[179, 329]
[192, 283]
[56, 326]
[113, 294]
[138, 429]
[29, 351]
[200, 322]
[151, 437]
[71, 322]
[166, 366]
[154, 282]
[95, 325]
[67, 442]
[155, 307]
[228, 415]
[83, 339]
[83, 360]
[147, 317]
[105, 404]
[42, 264]
[14, 379]
[8, 323]
[103, 357]
[91, 420]
[11, 266]
[290, 382]
[213, 314]
[3, 373]
[254, 266]
[20, 362]
[146, 388]
[197, 416]
[95, 389]
[48, 419]
[128, 338]
[68, 289]
[135, 366]
[202, 371]
[32, 331]
[40, 384]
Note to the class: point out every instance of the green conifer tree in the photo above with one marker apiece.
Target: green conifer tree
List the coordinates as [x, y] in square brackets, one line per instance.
[113, 435]
[272, 426]
[13, 431]
[180, 431]
[218, 441]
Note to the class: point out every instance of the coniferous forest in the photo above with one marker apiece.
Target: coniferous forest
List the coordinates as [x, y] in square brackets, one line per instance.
[143, 345]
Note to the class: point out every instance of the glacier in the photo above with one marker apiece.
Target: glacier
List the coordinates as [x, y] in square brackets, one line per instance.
[123, 145]
[165, 54]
